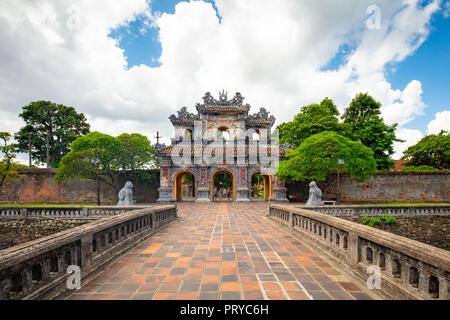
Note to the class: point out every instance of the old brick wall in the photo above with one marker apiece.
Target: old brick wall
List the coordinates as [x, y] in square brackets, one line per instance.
[39, 186]
[431, 230]
[382, 187]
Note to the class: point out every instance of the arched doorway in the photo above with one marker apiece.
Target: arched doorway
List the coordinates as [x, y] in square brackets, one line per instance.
[222, 186]
[261, 187]
[185, 186]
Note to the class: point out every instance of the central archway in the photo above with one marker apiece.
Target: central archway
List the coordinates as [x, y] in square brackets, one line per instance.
[185, 186]
[222, 186]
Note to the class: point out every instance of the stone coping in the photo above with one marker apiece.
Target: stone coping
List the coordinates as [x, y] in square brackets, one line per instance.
[30, 249]
[380, 206]
[418, 250]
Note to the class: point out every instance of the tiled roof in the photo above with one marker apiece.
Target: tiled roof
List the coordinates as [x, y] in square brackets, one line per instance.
[234, 150]
[224, 109]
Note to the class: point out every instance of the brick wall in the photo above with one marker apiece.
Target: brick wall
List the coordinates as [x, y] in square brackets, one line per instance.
[39, 186]
[387, 186]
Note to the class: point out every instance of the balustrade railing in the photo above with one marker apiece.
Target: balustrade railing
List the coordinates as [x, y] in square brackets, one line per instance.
[378, 211]
[409, 269]
[35, 269]
[65, 212]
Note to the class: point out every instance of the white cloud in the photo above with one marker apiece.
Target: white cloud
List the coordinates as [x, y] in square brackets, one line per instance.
[446, 9]
[440, 122]
[408, 105]
[271, 51]
[410, 136]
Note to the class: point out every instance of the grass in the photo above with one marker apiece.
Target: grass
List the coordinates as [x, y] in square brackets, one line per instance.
[410, 203]
[398, 203]
[15, 204]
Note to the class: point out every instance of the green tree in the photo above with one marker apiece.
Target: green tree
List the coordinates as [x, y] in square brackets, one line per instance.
[136, 156]
[433, 150]
[367, 126]
[7, 162]
[51, 128]
[223, 180]
[317, 157]
[313, 119]
[92, 157]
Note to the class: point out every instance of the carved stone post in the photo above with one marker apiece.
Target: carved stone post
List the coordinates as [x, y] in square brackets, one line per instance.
[203, 187]
[241, 183]
[279, 191]
[166, 187]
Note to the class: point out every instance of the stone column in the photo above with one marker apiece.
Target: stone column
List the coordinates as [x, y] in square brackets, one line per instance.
[241, 184]
[203, 187]
[165, 189]
[279, 191]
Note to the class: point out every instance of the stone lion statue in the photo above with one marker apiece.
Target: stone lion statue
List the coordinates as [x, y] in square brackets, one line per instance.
[126, 195]
[315, 195]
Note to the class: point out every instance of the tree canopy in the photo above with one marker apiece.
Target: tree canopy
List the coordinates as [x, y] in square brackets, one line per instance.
[7, 160]
[366, 125]
[317, 157]
[98, 156]
[136, 155]
[433, 150]
[313, 119]
[361, 122]
[61, 124]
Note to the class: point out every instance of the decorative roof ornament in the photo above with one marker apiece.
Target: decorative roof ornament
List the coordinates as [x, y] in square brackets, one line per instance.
[211, 104]
[223, 96]
[160, 146]
[183, 117]
[262, 116]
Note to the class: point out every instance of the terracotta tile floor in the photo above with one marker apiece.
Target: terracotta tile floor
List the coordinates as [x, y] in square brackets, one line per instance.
[222, 251]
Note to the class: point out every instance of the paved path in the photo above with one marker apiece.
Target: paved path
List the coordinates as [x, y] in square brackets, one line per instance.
[222, 251]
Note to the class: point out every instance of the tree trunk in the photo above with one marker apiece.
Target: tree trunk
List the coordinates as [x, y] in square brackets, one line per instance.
[48, 150]
[98, 190]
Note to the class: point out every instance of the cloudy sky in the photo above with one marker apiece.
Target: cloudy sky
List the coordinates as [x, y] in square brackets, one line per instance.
[128, 65]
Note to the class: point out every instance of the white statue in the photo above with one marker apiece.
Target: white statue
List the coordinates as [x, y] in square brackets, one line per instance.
[126, 195]
[315, 195]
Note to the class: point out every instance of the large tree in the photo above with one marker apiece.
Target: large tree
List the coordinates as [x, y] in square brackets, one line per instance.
[51, 128]
[317, 158]
[7, 160]
[433, 150]
[92, 157]
[101, 157]
[136, 156]
[313, 119]
[366, 125]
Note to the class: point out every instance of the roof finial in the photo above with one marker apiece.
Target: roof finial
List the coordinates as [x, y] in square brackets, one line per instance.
[223, 96]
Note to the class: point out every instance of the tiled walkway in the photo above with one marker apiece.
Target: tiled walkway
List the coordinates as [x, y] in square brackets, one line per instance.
[222, 251]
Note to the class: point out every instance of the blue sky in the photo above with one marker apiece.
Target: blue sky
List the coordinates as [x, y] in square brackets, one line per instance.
[429, 64]
[144, 47]
[278, 54]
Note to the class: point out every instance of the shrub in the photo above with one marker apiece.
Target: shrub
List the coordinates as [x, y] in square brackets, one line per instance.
[388, 220]
[372, 222]
[418, 168]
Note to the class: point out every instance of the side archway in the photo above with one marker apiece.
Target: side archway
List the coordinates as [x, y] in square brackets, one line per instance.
[184, 185]
[260, 186]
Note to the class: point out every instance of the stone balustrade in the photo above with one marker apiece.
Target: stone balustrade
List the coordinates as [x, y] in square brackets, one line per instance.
[38, 269]
[409, 269]
[378, 211]
[64, 212]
